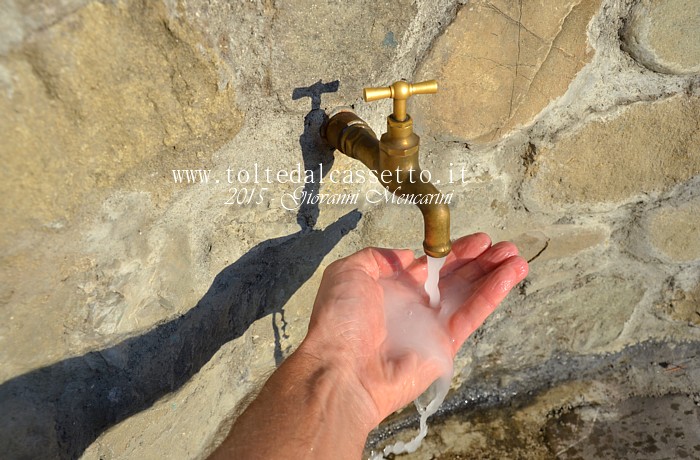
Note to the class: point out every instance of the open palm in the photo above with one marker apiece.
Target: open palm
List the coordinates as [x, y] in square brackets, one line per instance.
[372, 318]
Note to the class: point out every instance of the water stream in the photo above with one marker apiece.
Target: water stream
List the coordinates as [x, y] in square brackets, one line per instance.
[415, 326]
[431, 282]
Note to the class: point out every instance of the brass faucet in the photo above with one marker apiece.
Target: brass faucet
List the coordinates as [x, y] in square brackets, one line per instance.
[394, 158]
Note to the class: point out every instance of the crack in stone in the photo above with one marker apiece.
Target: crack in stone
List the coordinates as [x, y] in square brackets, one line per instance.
[546, 245]
[584, 437]
[498, 64]
[448, 16]
[517, 22]
[544, 60]
[517, 61]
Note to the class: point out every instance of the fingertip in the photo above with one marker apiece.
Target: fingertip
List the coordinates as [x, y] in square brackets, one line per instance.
[465, 249]
[519, 266]
[483, 238]
[505, 249]
[498, 283]
[522, 268]
[471, 245]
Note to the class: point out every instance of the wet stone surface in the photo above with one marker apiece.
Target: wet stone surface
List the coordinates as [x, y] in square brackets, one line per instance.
[638, 403]
[640, 428]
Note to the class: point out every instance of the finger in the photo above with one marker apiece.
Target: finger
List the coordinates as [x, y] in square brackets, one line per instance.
[376, 262]
[392, 261]
[487, 261]
[484, 300]
[464, 249]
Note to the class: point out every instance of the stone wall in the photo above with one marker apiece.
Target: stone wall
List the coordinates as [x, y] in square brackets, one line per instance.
[138, 313]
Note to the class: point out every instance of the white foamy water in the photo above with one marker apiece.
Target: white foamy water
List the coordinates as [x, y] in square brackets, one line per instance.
[433, 396]
[431, 283]
[415, 327]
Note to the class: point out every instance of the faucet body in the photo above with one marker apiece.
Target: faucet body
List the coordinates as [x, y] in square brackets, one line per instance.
[394, 160]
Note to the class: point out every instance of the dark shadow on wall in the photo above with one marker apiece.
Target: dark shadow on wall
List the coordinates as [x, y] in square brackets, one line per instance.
[317, 155]
[57, 411]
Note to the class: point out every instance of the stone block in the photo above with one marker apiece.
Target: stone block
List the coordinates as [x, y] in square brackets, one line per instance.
[352, 42]
[500, 64]
[583, 318]
[646, 148]
[110, 96]
[664, 35]
[682, 305]
[558, 241]
[675, 231]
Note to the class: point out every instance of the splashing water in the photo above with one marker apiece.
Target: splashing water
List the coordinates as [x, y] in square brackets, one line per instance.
[416, 327]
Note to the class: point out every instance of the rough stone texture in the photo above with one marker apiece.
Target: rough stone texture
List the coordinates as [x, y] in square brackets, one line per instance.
[574, 419]
[675, 231]
[21, 18]
[586, 319]
[641, 427]
[681, 305]
[307, 35]
[84, 123]
[109, 98]
[649, 428]
[557, 242]
[139, 315]
[646, 148]
[501, 63]
[664, 35]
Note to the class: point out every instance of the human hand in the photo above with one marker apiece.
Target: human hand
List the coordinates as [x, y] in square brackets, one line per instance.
[349, 332]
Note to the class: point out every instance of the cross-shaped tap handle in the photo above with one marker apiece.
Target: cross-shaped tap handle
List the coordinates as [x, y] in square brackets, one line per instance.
[400, 91]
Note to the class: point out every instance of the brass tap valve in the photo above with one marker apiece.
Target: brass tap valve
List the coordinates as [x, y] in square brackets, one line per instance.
[400, 91]
[397, 153]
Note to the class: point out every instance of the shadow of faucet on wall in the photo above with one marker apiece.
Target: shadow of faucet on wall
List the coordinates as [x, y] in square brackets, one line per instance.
[317, 157]
[317, 154]
[57, 411]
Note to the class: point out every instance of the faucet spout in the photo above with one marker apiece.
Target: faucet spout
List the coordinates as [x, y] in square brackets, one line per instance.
[394, 160]
[436, 223]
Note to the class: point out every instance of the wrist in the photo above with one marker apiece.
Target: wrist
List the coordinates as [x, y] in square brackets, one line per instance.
[311, 407]
[335, 379]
